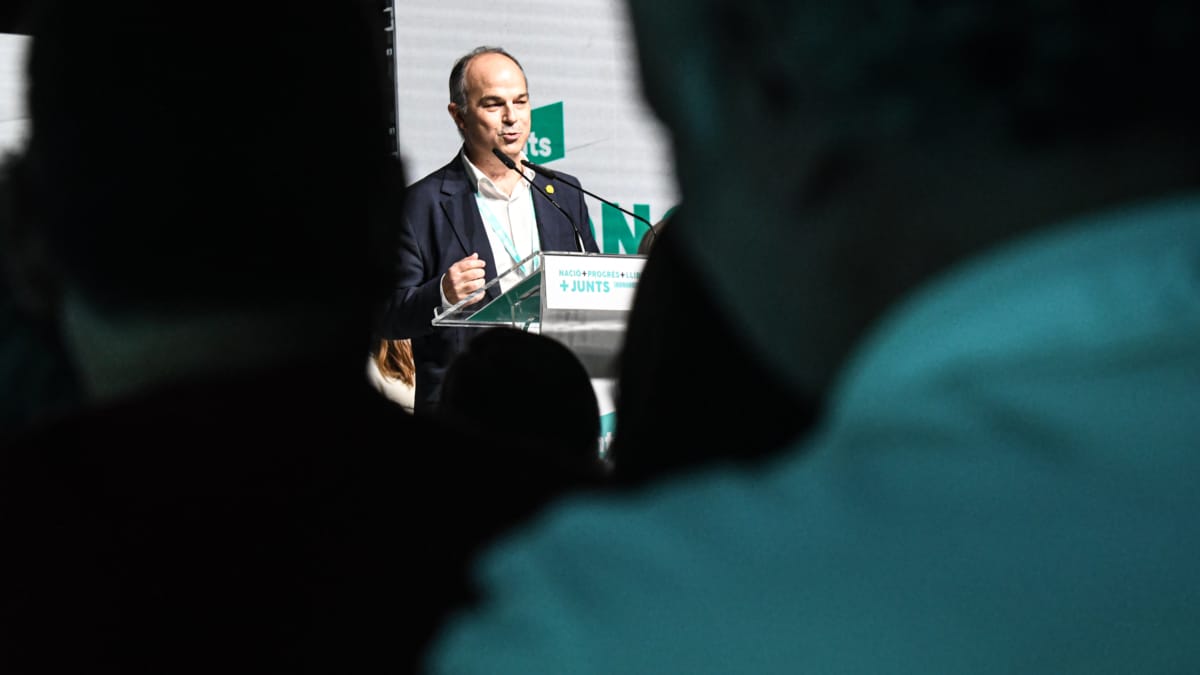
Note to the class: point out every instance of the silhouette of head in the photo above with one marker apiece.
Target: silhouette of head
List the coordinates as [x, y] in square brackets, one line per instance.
[213, 154]
[525, 388]
[876, 142]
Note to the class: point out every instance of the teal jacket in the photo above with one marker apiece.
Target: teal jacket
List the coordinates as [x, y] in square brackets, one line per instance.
[1007, 481]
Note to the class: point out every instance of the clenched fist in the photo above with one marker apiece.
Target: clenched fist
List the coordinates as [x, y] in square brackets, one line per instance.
[464, 278]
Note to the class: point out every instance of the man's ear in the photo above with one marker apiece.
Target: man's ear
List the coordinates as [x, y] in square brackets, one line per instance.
[456, 115]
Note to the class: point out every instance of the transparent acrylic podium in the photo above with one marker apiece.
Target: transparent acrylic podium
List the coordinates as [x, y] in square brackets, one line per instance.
[580, 299]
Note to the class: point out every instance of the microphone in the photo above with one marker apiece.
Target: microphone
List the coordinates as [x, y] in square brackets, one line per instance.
[507, 161]
[553, 175]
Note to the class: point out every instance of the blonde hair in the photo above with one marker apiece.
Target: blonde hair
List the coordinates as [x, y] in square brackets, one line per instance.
[394, 358]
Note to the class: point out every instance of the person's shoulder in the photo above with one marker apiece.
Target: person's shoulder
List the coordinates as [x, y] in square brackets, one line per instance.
[433, 179]
[565, 195]
[429, 190]
[565, 177]
[603, 570]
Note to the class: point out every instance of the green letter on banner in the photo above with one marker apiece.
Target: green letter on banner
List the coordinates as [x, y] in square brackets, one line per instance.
[617, 233]
[546, 139]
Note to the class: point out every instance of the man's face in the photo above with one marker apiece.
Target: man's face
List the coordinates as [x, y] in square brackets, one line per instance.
[497, 111]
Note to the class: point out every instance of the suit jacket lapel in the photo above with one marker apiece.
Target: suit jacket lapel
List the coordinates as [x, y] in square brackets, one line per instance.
[555, 232]
[462, 212]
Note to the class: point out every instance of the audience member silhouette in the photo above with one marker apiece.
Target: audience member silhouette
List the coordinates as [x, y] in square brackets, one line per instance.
[36, 377]
[971, 229]
[391, 370]
[215, 191]
[531, 390]
[650, 237]
[686, 376]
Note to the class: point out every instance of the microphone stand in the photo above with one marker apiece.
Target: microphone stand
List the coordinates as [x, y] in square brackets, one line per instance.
[553, 175]
[507, 162]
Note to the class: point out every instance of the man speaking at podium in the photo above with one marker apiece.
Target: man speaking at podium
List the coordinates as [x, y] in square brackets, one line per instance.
[476, 217]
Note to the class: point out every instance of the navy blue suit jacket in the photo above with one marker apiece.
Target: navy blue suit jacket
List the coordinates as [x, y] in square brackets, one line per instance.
[441, 226]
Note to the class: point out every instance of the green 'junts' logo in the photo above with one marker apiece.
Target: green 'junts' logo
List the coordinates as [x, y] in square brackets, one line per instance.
[546, 139]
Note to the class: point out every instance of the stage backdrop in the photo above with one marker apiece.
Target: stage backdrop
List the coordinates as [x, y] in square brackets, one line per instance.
[14, 120]
[588, 119]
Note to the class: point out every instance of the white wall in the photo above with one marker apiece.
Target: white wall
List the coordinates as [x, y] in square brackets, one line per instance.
[14, 119]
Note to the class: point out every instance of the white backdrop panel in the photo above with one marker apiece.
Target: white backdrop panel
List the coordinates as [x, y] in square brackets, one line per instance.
[14, 119]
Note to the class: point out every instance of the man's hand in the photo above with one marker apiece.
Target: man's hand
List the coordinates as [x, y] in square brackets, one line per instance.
[463, 278]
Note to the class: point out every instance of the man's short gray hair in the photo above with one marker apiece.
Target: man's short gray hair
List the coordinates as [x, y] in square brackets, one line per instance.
[458, 74]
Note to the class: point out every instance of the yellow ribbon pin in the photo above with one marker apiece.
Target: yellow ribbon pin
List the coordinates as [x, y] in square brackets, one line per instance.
[550, 189]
